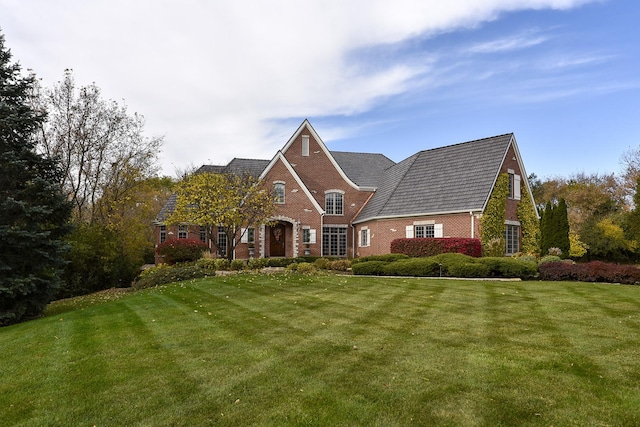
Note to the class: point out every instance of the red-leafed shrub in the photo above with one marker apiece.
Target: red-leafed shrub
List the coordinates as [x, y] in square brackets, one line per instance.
[429, 246]
[594, 271]
[181, 250]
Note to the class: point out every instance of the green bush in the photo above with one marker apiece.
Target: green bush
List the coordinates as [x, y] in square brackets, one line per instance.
[257, 263]
[549, 258]
[340, 265]
[280, 262]
[306, 268]
[164, 274]
[238, 265]
[322, 263]
[417, 267]
[222, 264]
[451, 260]
[209, 264]
[509, 267]
[384, 258]
[469, 269]
[369, 268]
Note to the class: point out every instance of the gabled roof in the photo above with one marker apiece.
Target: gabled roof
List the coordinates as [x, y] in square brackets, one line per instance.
[364, 169]
[455, 178]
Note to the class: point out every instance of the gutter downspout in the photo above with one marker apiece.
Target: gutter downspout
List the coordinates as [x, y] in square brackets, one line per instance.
[473, 225]
[321, 234]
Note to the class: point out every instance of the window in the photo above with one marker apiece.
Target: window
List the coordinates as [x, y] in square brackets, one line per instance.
[203, 234]
[424, 230]
[278, 189]
[163, 233]
[514, 185]
[333, 203]
[334, 241]
[308, 236]
[512, 239]
[182, 232]
[248, 235]
[222, 242]
[364, 237]
[305, 145]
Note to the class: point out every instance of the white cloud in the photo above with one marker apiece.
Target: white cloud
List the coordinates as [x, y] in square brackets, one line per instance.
[216, 77]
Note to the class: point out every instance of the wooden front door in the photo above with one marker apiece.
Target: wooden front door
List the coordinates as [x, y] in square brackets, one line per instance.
[276, 248]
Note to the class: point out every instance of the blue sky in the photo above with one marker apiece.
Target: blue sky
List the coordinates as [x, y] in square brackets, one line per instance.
[235, 79]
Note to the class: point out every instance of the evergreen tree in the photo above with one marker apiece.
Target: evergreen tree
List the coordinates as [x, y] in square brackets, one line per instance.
[33, 210]
[561, 225]
[545, 229]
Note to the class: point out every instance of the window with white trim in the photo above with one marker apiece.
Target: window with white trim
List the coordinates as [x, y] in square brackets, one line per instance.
[279, 191]
[163, 233]
[334, 203]
[182, 232]
[308, 236]
[514, 185]
[334, 241]
[248, 235]
[305, 145]
[222, 242]
[203, 234]
[424, 230]
[512, 239]
[364, 238]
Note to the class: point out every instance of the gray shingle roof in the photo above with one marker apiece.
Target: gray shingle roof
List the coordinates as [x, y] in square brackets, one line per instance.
[364, 169]
[446, 179]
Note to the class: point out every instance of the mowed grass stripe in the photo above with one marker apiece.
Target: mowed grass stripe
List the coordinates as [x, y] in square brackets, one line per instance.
[279, 350]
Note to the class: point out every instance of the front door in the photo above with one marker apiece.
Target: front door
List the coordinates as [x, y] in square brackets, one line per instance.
[276, 247]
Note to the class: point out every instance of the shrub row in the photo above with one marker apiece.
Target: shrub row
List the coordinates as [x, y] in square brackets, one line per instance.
[594, 271]
[425, 247]
[448, 265]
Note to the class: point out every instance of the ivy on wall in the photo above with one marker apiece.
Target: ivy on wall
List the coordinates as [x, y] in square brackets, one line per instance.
[530, 225]
[492, 221]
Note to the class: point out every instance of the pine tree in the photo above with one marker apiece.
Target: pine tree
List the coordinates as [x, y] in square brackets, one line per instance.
[546, 229]
[561, 234]
[33, 211]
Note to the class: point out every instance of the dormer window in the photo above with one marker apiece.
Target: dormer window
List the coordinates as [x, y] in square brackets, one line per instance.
[279, 191]
[334, 202]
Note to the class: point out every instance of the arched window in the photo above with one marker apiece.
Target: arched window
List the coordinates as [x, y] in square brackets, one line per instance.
[279, 190]
[334, 202]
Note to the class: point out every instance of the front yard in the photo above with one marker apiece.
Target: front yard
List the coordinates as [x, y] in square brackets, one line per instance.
[288, 349]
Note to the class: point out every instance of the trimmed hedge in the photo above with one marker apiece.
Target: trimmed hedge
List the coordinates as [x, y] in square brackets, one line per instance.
[417, 267]
[369, 268]
[448, 265]
[428, 246]
[383, 257]
[594, 271]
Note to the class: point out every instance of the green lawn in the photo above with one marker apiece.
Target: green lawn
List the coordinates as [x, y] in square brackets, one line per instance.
[330, 351]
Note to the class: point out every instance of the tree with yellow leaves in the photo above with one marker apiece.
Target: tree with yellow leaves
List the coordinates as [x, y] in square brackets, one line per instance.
[223, 202]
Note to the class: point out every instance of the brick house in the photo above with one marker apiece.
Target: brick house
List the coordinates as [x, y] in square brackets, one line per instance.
[344, 204]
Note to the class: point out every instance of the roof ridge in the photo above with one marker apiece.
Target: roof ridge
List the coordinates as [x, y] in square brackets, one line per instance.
[465, 142]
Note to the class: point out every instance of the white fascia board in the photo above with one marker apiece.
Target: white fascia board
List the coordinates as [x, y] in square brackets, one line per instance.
[379, 218]
[296, 177]
[324, 148]
[524, 177]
